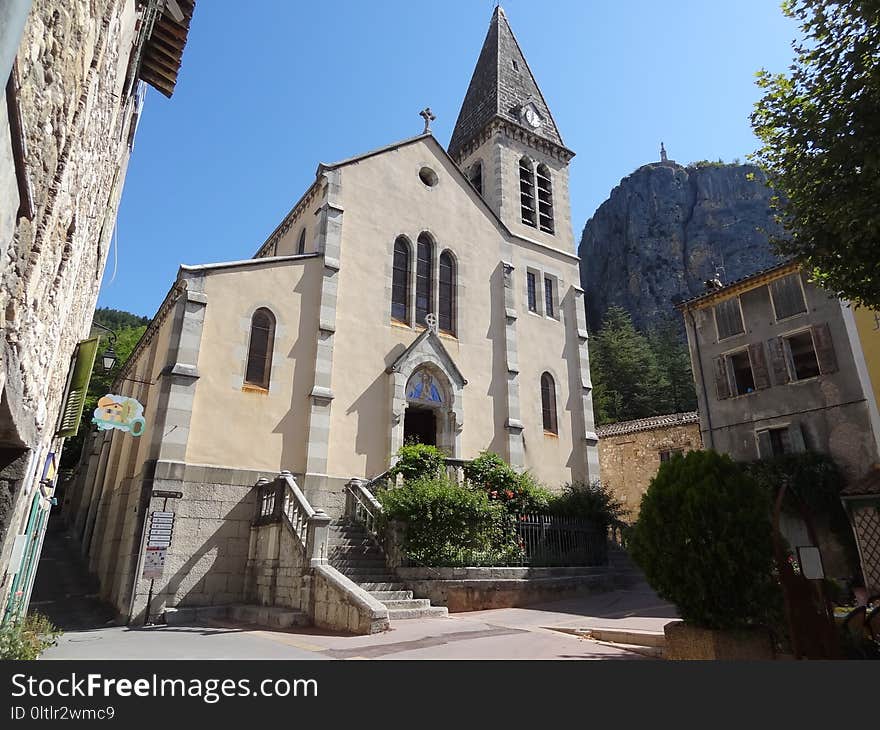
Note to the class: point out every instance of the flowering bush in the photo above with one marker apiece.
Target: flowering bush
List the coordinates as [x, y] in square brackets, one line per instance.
[519, 493]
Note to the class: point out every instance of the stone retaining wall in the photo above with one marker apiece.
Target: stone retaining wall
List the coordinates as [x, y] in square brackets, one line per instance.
[478, 589]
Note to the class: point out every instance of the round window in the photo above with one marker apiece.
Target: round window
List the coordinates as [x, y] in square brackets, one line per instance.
[428, 176]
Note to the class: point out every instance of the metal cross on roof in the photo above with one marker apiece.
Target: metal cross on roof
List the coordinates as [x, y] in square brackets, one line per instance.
[429, 117]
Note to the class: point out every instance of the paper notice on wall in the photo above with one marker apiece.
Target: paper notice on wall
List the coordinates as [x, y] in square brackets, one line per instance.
[154, 562]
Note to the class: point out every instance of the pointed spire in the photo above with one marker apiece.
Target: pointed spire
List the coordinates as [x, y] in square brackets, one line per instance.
[502, 86]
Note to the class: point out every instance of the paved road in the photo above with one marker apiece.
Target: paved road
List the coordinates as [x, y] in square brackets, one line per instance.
[64, 592]
[512, 633]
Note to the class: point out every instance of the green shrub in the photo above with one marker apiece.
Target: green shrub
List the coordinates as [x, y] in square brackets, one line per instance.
[419, 461]
[520, 493]
[703, 539]
[595, 502]
[442, 518]
[28, 637]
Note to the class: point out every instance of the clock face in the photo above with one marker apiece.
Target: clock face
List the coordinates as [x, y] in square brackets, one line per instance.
[531, 116]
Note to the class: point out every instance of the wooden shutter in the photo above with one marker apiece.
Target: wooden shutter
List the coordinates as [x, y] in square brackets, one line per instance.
[796, 438]
[77, 386]
[722, 382]
[765, 447]
[824, 348]
[777, 361]
[759, 365]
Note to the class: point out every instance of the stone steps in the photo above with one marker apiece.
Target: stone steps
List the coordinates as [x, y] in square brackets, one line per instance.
[391, 595]
[399, 614]
[370, 586]
[353, 554]
[406, 603]
[272, 617]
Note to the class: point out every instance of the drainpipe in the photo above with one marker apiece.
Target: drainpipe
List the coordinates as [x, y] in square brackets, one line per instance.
[13, 16]
[693, 329]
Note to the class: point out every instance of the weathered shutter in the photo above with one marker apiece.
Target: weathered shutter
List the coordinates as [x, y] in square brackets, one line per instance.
[77, 386]
[759, 365]
[765, 447]
[824, 348]
[777, 361]
[796, 438]
[722, 383]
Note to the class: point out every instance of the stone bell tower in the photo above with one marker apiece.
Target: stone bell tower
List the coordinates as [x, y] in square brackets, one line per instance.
[507, 143]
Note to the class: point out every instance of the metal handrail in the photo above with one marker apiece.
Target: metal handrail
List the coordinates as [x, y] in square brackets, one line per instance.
[363, 506]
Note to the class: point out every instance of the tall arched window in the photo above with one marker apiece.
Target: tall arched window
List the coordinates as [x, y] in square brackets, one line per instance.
[446, 315]
[545, 199]
[527, 192]
[259, 362]
[476, 176]
[400, 281]
[424, 291]
[548, 403]
[301, 246]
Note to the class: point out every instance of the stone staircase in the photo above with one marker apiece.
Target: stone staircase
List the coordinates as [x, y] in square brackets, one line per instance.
[354, 554]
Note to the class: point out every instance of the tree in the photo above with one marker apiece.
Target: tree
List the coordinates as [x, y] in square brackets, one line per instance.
[674, 362]
[820, 128]
[627, 381]
[704, 541]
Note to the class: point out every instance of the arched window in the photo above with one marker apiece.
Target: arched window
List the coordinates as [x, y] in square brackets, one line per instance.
[259, 362]
[545, 199]
[446, 315]
[476, 176]
[548, 403]
[301, 246]
[424, 291]
[400, 281]
[527, 192]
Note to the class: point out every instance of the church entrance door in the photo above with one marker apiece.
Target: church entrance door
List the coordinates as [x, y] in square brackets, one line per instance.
[420, 426]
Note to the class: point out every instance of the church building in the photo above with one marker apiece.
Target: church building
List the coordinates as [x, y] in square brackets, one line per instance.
[412, 293]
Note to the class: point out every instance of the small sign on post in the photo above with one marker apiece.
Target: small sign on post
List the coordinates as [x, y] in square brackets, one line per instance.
[159, 534]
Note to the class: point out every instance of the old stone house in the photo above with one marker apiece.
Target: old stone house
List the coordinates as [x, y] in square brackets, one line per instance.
[74, 75]
[411, 293]
[782, 366]
[630, 452]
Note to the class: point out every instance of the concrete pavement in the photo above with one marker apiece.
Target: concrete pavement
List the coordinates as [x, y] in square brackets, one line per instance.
[532, 632]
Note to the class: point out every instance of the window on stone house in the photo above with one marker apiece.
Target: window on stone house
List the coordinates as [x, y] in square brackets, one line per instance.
[446, 313]
[259, 362]
[667, 454]
[549, 299]
[301, 245]
[802, 356]
[548, 403]
[527, 192]
[531, 286]
[787, 296]
[728, 318]
[424, 289]
[545, 200]
[400, 281]
[476, 176]
[741, 370]
[780, 440]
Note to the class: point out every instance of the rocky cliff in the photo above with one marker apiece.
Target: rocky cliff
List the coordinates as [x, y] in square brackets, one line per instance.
[665, 228]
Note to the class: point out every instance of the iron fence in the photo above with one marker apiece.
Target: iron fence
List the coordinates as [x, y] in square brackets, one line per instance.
[527, 541]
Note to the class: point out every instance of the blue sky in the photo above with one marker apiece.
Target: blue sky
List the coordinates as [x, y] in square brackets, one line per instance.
[269, 88]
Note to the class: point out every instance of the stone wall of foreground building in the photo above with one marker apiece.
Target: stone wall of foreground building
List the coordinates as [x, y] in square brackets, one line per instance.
[70, 108]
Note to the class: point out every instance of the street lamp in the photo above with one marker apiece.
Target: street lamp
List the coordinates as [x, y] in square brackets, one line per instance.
[108, 359]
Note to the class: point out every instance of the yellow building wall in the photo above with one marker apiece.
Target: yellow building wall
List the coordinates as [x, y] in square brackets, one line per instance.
[237, 426]
[868, 326]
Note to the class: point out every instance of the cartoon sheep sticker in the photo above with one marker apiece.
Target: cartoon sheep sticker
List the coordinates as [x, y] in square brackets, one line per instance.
[119, 411]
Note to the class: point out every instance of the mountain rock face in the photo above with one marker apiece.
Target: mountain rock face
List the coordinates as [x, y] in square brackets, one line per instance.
[663, 231]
